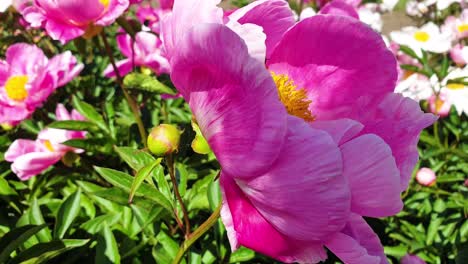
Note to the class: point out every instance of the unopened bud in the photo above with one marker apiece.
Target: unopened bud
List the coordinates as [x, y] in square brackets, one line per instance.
[426, 177]
[164, 139]
[199, 143]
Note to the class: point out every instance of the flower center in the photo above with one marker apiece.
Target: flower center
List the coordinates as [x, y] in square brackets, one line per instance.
[462, 28]
[15, 87]
[438, 104]
[49, 146]
[421, 36]
[105, 3]
[295, 100]
[455, 86]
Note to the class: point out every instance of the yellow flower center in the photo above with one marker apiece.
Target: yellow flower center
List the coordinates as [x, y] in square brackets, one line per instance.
[295, 100]
[438, 105]
[455, 86]
[105, 3]
[421, 36]
[15, 87]
[49, 146]
[462, 28]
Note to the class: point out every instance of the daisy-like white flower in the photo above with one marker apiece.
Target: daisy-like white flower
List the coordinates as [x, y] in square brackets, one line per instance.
[456, 93]
[441, 4]
[369, 14]
[415, 86]
[457, 27]
[428, 38]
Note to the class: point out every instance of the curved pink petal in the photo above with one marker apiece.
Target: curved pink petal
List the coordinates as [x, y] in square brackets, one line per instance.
[25, 59]
[63, 32]
[398, 121]
[337, 59]
[254, 38]
[247, 227]
[4, 72]
[64, 68]
[183, 16]
[357, 243]
[339, 8]
[20, 147]
[232, 97]
[341, 130]
[373, 176]
[115, 9]
[124, 66]
[304, 183]
[33, 163]
[274, 16]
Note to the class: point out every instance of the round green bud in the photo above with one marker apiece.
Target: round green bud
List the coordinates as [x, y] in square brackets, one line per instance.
[164, 139]
[199, 143]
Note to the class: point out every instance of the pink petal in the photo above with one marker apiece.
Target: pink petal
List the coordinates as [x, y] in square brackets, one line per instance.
[20, 147]
[33, 163]
[25, 59]
[4, 72]
[233, 98]
[63, 32]
[64, 68]
[247, 227]
[183, 16]
[115, 9]
[61, 113]
[339, 8]
[304, 183]
[373, 176]
[123, 66]
[274, 16]
[357, 244]
[341, 130]
[398, 121]
[254, 38]
[337, 59]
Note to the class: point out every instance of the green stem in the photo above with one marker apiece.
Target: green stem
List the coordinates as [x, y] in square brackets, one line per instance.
[131, 102]
[170, 165]
[199, 232]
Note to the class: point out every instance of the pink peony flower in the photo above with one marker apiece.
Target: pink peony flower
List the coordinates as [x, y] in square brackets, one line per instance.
[440, 105]
[65, 20]
[27, 78]
[31, 157]
[152, 17]
[307, 146]
[411, 259]
[426, 177]
[146, 52]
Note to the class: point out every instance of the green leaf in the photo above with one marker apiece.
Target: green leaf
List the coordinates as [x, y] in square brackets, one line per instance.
[5, 188]
[214, 194]
[36, 218]
[107, 250]
[141, 175]
[90, 113]
[432, 230]
[241, 255]
[90, 144]
[95, 225]
[141, 81]
[13, 239]
[135, 158]
[124, 181]
[67, 213]
[43, 252]
[72, 125]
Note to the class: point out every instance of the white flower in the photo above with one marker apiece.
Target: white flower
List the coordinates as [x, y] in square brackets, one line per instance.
[457, 93]
[4, 4]
[415, 86]
[369, 15]
[414, 8]
[388, 5]
[307, 12]
[456, 27]
[428, 38]
[441, 4]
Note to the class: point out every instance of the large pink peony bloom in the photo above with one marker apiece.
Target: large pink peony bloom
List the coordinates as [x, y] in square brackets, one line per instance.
[31, 157]
[28, 77]
[146, 52]
[65, 20]
[307, 146]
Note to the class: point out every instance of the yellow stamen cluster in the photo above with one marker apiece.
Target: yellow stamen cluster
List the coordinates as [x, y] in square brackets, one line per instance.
[455, 86]
[421, 36]
[295, 100]
[105, 3]
[49, 146]
[462, 28]
[15, 87]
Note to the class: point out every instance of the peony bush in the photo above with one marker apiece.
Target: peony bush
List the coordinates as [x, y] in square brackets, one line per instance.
[209, 131]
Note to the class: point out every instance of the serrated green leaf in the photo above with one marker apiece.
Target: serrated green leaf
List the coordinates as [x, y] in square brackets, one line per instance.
[67, 213]
[135, 158]
[72, 125]
[141, 175]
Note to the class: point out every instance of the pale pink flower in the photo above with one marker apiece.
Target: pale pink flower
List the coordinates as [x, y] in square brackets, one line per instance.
[31, 157]
[426, 177]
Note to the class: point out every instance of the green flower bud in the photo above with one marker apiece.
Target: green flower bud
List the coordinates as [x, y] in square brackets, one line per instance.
[164, 139]
[199, 143]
